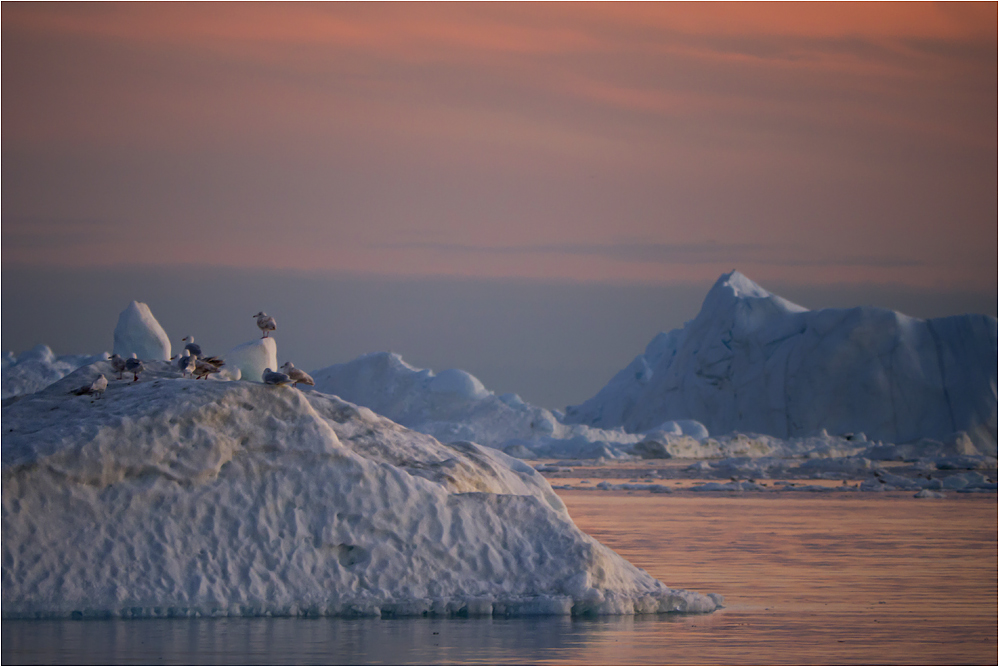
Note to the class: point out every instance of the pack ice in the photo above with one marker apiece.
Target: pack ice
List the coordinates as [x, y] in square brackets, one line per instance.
[179, 497]
[753, 362]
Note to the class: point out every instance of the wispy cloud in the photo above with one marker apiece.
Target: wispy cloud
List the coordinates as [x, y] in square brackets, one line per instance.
[708, 252]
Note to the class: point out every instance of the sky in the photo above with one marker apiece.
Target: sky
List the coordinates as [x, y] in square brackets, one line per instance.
[527, 191]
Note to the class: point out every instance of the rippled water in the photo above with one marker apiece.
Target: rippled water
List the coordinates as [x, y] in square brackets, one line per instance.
[808, 579]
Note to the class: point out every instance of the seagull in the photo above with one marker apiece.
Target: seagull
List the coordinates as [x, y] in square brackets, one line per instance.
[297, 375]
[97, 387]
[187, 364]
[117, 364]
[134, 366]
[191, 346]
[205, 367]
[273, 377]
[265, 322]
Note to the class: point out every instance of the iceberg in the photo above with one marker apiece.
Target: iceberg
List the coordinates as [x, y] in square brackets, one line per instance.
[454, 405]
[753, 362]
[138, 332]
[178, 497]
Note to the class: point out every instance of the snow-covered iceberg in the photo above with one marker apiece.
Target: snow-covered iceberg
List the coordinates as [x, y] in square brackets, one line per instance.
[454, 405]
[177, 497]
[753, 362]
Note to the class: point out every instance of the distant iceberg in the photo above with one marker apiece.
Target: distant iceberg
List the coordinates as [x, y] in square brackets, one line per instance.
[753, 362]
[454, 405]
[174, 497]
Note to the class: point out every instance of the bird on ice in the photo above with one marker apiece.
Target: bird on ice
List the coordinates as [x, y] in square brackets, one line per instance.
[275, 378]
[97, 387]
[187, 364]
[205, 367]
[191, 346]
[117, 364]
[297, 375]
[134, 366]
[265, 322]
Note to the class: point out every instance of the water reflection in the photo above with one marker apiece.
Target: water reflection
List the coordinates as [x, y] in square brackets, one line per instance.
[255, 641]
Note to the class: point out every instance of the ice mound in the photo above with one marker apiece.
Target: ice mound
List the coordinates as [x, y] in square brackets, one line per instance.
[178, 497]
[251, 358]
[454, 405]
[753, 362]
[39, 367]
[138, 332]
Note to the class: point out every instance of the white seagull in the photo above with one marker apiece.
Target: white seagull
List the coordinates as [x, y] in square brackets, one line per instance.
[191, 346]
[275, 378]
[265, 322]
[97, 387]
[117, 364]
[187, 364]
[297, 375]
[134, 366]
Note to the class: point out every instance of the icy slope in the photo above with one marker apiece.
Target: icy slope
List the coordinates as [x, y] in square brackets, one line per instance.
[454, 405]
[183, 497]
[39, 367]
[753, 362]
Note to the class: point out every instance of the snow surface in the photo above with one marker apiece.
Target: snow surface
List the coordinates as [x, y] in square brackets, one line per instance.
[251, 358]
[39, 367]
[752, 362]
[138, 332]
[178, 497]
[454, 405]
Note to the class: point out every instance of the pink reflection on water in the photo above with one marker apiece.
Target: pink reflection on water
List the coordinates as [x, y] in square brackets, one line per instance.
[807, 578]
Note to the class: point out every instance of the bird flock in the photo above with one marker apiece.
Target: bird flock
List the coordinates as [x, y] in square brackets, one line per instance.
[195, 364]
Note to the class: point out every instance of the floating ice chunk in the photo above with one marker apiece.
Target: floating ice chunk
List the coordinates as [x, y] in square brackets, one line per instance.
[138, 332]
[251, 358]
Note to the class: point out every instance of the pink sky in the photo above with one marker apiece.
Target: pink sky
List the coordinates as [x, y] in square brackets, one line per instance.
[648, 142]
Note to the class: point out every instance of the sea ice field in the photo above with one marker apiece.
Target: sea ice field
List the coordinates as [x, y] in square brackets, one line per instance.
[388, 492]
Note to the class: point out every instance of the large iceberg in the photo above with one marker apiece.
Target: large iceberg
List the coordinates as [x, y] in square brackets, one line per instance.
[753, 362]
[454, 405]
[177, 497]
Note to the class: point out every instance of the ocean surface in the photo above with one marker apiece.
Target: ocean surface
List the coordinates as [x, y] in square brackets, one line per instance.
[809, 578]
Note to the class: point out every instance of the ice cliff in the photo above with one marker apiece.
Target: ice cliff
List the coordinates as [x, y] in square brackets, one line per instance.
[177, 497]
[753, 362]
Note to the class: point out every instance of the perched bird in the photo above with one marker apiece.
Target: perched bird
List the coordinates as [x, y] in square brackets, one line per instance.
[191, 346]
[134, 366]
[297, 375]
[274, 377]
[97, 387]
[187, 364]
[117, 364]
[205, 367]
[265, 322]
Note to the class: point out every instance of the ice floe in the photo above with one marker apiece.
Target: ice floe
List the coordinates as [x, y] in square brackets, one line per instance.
[180, 497]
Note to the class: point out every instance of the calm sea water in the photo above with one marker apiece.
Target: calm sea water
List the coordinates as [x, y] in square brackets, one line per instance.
[808, 579]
